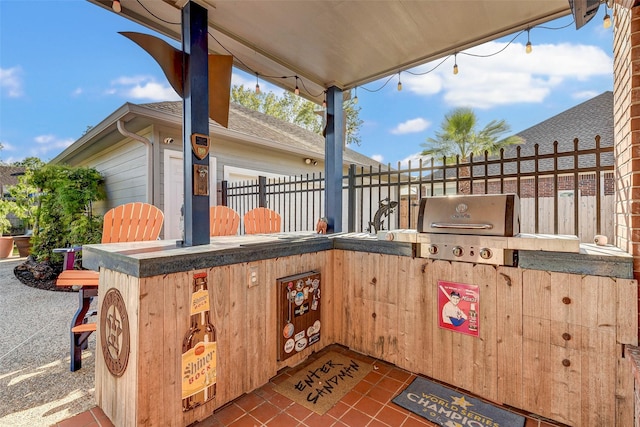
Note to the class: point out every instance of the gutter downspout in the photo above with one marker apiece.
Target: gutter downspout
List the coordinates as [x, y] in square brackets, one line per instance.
[149, 144]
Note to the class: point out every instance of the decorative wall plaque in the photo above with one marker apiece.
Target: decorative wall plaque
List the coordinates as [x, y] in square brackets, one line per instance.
[114, 332]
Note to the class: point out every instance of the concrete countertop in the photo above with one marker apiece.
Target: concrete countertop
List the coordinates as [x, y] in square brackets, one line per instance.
[146, 259]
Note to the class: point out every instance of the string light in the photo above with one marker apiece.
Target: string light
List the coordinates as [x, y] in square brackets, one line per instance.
[257, 84]
[455, 63]
[399, 83]
[324, 101]
[606, 22]
[297, 90]
[116, 6]
[355, 98]
[529, 47]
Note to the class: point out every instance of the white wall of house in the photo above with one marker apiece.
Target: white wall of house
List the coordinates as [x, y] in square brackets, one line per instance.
[124, 167]
[173, 195]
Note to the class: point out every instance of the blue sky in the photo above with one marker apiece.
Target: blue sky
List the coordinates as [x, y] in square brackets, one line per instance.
[64, 67]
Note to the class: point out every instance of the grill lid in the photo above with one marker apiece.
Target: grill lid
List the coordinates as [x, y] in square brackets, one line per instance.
[486, 215]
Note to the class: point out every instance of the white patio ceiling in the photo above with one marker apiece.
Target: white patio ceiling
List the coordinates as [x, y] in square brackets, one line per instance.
[343, 43]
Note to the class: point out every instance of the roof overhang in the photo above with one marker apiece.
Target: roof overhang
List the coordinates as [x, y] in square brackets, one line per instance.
[343, 43]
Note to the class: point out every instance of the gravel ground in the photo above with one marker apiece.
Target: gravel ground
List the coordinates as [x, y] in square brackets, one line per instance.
[36, 386]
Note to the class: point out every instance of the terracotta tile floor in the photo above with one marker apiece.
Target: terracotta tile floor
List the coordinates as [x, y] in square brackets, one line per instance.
[367, 404]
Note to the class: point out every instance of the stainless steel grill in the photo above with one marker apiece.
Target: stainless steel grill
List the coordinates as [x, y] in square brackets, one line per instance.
[478, 228]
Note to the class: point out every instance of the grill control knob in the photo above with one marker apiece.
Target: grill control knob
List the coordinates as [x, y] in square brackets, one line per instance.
[433, 249]
[485, 253]
[457, 251]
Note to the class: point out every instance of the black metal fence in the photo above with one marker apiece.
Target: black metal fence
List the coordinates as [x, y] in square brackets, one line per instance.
[561, 192]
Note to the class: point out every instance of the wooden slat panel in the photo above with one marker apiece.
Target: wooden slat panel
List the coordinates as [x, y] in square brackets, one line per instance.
[536, 294]
[237, 344]
[112, 391]
[261, 220]
[443, 351]
[597, 294]
[220, 284]
[329, 298]
[624, 393]
[259, 350]
[428, 315]
[485, 350]
[78, 278]
[132, 222]
[509, 335]
[565, 398]
[627, 315]
[223, 221]
[177, 303]
[355, 310]
[410, 344]
[536, 369]
[566, 298]
[598, 382]
[462, 345]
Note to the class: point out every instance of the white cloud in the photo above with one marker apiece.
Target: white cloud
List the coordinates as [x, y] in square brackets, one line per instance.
[378, 157]
[77, 92]
[45, 146]
[142, 88]
[240, 80]
[47, 143]
[11, 82]
[585, 94]
[411, 126]
[511, 76]
[414, 159]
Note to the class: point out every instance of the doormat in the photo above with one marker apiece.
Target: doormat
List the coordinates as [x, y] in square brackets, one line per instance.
[448, 407]
[324, 382]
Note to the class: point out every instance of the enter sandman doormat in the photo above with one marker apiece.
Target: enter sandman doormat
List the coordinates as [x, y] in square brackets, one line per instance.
[324, 382]
[450, 408]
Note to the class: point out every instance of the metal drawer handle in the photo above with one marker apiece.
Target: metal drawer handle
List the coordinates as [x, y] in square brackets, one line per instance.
[461, 226]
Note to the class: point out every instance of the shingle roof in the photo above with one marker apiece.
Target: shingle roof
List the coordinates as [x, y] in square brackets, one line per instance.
[257, 124]
[584, 121]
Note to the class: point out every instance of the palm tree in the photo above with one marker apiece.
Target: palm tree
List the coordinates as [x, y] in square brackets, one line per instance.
[458, 137]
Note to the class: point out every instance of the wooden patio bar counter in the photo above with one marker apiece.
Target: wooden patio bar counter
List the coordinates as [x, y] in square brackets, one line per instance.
[550, 340]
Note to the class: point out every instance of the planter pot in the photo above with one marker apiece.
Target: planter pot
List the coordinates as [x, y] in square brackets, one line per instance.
[6, 246]
[23, 243]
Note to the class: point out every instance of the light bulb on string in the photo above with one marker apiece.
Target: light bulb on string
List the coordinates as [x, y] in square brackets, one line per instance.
[529, 47]
[116, 6]
[606, 22]
[455, 63]
[297, 90]
[355, 98]
[324, 101]
[257, 84]
[399, 83]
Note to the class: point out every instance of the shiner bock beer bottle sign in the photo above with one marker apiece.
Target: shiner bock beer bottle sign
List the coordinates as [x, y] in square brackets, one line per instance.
[199, 349]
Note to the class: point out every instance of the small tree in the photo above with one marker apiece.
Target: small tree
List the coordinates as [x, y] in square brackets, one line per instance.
[297, 110]
[24, 200]
[65, 213]
[458, 136]
[5, 224]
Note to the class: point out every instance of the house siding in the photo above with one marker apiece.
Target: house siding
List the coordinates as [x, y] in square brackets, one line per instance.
[124, 168]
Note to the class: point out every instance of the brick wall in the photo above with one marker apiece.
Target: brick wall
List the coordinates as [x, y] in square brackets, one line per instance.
[626, 90]
[586, 184]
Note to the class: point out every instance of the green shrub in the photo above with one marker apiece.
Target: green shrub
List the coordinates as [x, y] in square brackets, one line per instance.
[64, 214]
